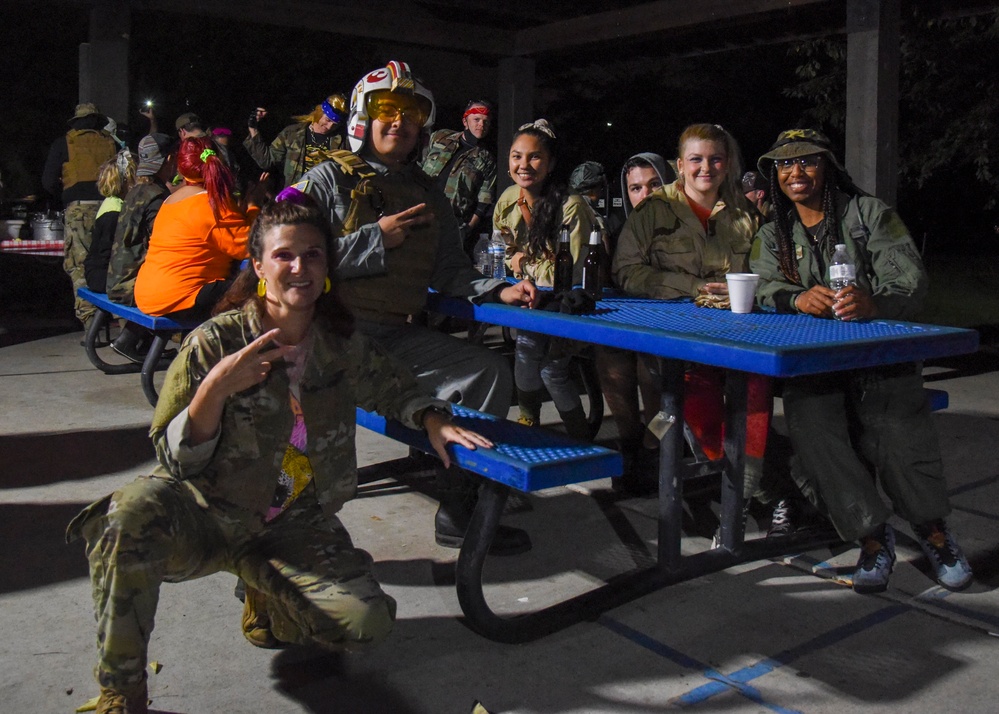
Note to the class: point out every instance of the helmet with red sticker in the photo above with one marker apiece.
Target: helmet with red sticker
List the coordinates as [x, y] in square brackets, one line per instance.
[396, 78]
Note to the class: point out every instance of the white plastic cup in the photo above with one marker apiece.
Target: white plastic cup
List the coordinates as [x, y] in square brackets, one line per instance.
[742, 291]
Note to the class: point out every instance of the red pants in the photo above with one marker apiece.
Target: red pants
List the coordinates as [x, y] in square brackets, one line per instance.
[704, 410]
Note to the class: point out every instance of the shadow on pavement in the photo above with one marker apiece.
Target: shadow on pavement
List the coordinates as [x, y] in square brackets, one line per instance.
[39, 555]
[40, 459]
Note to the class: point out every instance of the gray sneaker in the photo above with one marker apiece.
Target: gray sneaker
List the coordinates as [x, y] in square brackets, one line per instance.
[945, 555]
[877, 557]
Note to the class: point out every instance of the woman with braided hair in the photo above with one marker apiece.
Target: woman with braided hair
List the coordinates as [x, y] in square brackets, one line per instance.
[849, 427]
[530, 215]
[198, 236]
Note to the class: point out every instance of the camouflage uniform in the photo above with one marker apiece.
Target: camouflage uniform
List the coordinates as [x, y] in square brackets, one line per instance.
[289, 150]
[471, 181]
[883, 410]
[203, 509]
[131, 238]
[79, 224]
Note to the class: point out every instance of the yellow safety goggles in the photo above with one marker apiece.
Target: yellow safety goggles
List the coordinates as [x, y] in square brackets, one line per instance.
[387, 106]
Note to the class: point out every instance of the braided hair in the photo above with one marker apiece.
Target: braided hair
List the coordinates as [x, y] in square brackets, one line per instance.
[785, 215]
[546, 213]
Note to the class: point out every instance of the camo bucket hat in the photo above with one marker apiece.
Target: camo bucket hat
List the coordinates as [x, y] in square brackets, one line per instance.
[793, 143]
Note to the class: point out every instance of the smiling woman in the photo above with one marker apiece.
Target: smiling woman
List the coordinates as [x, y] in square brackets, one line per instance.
[254, 431]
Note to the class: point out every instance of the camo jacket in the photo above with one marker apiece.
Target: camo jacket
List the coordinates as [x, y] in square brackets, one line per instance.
[236, 473]
[472, 179]
[131, 238]
[289, 151]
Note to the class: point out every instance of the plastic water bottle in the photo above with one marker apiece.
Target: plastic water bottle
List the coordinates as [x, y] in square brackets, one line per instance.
[842, 271]
[497, 252]
[591, 267]
[483, 261]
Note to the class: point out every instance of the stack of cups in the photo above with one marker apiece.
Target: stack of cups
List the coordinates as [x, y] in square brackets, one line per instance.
[742, 291]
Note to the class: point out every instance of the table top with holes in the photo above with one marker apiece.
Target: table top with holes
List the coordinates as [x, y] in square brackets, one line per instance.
[761, 342]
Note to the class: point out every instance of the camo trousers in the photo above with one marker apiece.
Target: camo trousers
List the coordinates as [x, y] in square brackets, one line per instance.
[79, 223]
[318, 586]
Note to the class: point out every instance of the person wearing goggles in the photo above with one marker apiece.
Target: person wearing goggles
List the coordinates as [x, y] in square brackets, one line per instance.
[396, 237]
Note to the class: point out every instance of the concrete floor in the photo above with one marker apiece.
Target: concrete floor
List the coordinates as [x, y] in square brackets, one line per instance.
[780, 635]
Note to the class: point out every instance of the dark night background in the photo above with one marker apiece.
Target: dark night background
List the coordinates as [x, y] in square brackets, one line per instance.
[606, 102]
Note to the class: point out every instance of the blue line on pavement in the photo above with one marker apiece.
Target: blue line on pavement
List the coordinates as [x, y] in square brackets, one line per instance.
[737, 681]
[973, 485]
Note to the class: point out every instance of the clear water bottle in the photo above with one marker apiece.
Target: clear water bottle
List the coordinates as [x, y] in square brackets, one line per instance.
[842, 271]
[483, 261]
[497, 252]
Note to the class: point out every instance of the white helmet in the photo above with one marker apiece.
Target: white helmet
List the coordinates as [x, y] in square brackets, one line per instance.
[395, 77]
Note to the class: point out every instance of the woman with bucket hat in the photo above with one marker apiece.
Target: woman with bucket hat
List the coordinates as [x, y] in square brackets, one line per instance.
[848, 426]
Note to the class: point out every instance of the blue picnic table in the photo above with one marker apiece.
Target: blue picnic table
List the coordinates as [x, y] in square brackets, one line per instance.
[766, 343]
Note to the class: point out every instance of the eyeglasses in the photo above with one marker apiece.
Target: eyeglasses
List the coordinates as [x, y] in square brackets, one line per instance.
[389, 110]
[785, 166]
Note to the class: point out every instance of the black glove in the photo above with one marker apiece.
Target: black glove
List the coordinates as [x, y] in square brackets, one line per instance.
[568, 302]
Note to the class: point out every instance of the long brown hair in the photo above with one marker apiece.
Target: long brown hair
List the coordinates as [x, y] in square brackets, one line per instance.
[296, 209]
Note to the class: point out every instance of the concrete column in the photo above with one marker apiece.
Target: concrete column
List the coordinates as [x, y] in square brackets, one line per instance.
[515, 80]
[872, 69]
[104, 59]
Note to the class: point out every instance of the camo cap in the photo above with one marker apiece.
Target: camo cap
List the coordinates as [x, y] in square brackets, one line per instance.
[588, 174]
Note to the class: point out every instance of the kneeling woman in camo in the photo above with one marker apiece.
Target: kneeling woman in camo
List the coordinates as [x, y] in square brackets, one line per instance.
[847, 427]
[254, 432]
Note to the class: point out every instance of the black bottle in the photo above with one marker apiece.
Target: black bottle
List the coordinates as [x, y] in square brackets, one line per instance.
[592, 267]
[563, 263]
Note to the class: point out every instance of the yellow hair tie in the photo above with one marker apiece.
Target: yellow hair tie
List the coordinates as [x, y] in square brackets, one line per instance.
[206, 153]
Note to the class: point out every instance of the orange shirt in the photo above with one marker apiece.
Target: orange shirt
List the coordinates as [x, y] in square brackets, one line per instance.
[188, 249]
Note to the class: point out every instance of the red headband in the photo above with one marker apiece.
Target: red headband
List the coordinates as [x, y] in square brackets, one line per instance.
[475, 110]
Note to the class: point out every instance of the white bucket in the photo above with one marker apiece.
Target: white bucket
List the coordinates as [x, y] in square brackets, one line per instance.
[14, 228]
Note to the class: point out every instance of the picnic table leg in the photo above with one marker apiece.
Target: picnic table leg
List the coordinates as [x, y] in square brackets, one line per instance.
[671, 468]
[732, 525]
[100, 320]
[526, 627]
[149, 366]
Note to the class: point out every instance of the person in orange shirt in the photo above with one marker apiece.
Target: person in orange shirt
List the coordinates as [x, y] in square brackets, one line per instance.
[198, 234]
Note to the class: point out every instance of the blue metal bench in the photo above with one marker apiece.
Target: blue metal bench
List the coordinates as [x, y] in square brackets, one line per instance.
[525, 458]
[163, 329]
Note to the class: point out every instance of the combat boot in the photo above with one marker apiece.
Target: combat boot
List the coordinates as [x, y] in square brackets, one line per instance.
[452, 519]
[134, 700]
[576, 425]
[256, 623]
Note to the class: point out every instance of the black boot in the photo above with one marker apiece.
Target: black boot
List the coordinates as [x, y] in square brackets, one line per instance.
[127, 343]
[453, 517]
[641, 471]
[576, 425]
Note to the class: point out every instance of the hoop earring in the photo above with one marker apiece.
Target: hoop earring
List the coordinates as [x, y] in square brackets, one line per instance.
[328, 285]
[262, 287]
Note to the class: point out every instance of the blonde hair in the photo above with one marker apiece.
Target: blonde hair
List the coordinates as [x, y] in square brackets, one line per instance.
[337, 101]
[731, 188]
[116, 176]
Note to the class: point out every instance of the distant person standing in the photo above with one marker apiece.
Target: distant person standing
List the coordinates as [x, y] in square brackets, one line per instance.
[189, 126]
[302, 145]
[756, 190]
[465, 169]
[71, 173]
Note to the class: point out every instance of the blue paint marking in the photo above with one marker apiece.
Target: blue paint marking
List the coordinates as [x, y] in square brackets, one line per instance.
[973, 485]
[737, 681]
[976, 512]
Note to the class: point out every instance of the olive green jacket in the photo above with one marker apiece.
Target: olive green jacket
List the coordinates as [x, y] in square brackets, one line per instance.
[664, 252]
[888, 264]
[237, 472]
